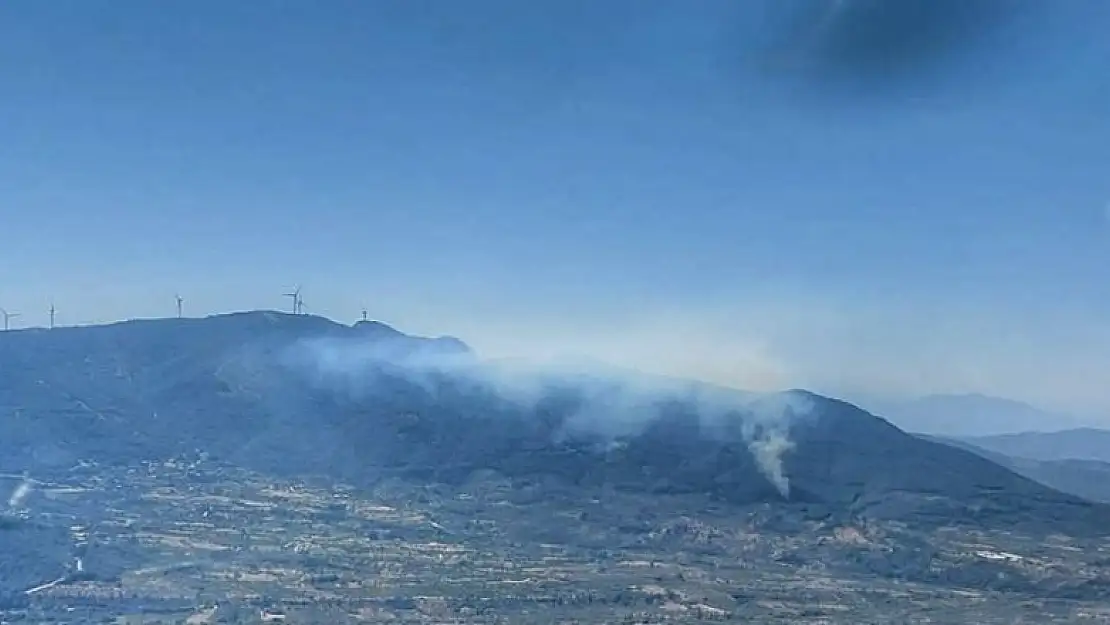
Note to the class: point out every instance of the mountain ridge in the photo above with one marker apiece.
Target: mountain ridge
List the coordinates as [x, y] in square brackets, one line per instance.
[1082, 443]
[1089, 479]
[966, 414]
[302, 394]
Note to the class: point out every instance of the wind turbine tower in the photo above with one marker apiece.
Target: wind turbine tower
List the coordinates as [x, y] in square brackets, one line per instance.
[180, 304]
[8, 316]
[53, 313]
[298, 303]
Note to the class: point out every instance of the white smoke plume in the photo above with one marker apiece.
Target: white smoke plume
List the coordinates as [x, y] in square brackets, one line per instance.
[767, 433]
[613, 402]
[19, 495]
[768, 449]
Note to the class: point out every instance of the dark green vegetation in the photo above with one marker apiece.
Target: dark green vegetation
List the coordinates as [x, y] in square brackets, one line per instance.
[255, 455]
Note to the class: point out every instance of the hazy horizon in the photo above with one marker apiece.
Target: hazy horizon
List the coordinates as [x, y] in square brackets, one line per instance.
[612, 180]
[901, 407]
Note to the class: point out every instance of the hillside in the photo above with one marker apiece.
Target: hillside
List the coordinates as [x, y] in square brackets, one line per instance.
[1089, 479]
[1071, 444]
[967, 415]
[300, 394]
[32, 553]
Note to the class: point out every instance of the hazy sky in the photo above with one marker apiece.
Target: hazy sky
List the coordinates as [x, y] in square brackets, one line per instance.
[642, 182]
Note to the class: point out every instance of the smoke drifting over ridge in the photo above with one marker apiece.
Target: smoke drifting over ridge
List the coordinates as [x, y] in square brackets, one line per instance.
[601, 403]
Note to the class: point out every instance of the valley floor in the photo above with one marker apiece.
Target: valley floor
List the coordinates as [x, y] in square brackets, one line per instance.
[192, 541]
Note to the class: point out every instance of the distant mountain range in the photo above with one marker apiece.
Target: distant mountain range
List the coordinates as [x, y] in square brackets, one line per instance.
[965, 415]
[1026, 439]
[1074, 444]
[1087, 478]
[298, 394]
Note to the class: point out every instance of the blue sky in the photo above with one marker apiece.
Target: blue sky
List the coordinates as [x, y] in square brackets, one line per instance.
[641, 182]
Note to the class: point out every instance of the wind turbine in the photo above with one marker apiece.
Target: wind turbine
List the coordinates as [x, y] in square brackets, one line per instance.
[298, 303]
[8, 316]
[53, 313]
[180, 304]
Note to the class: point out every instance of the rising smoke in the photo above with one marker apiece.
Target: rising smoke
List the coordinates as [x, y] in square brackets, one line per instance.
[611, 404]
[19, 495]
